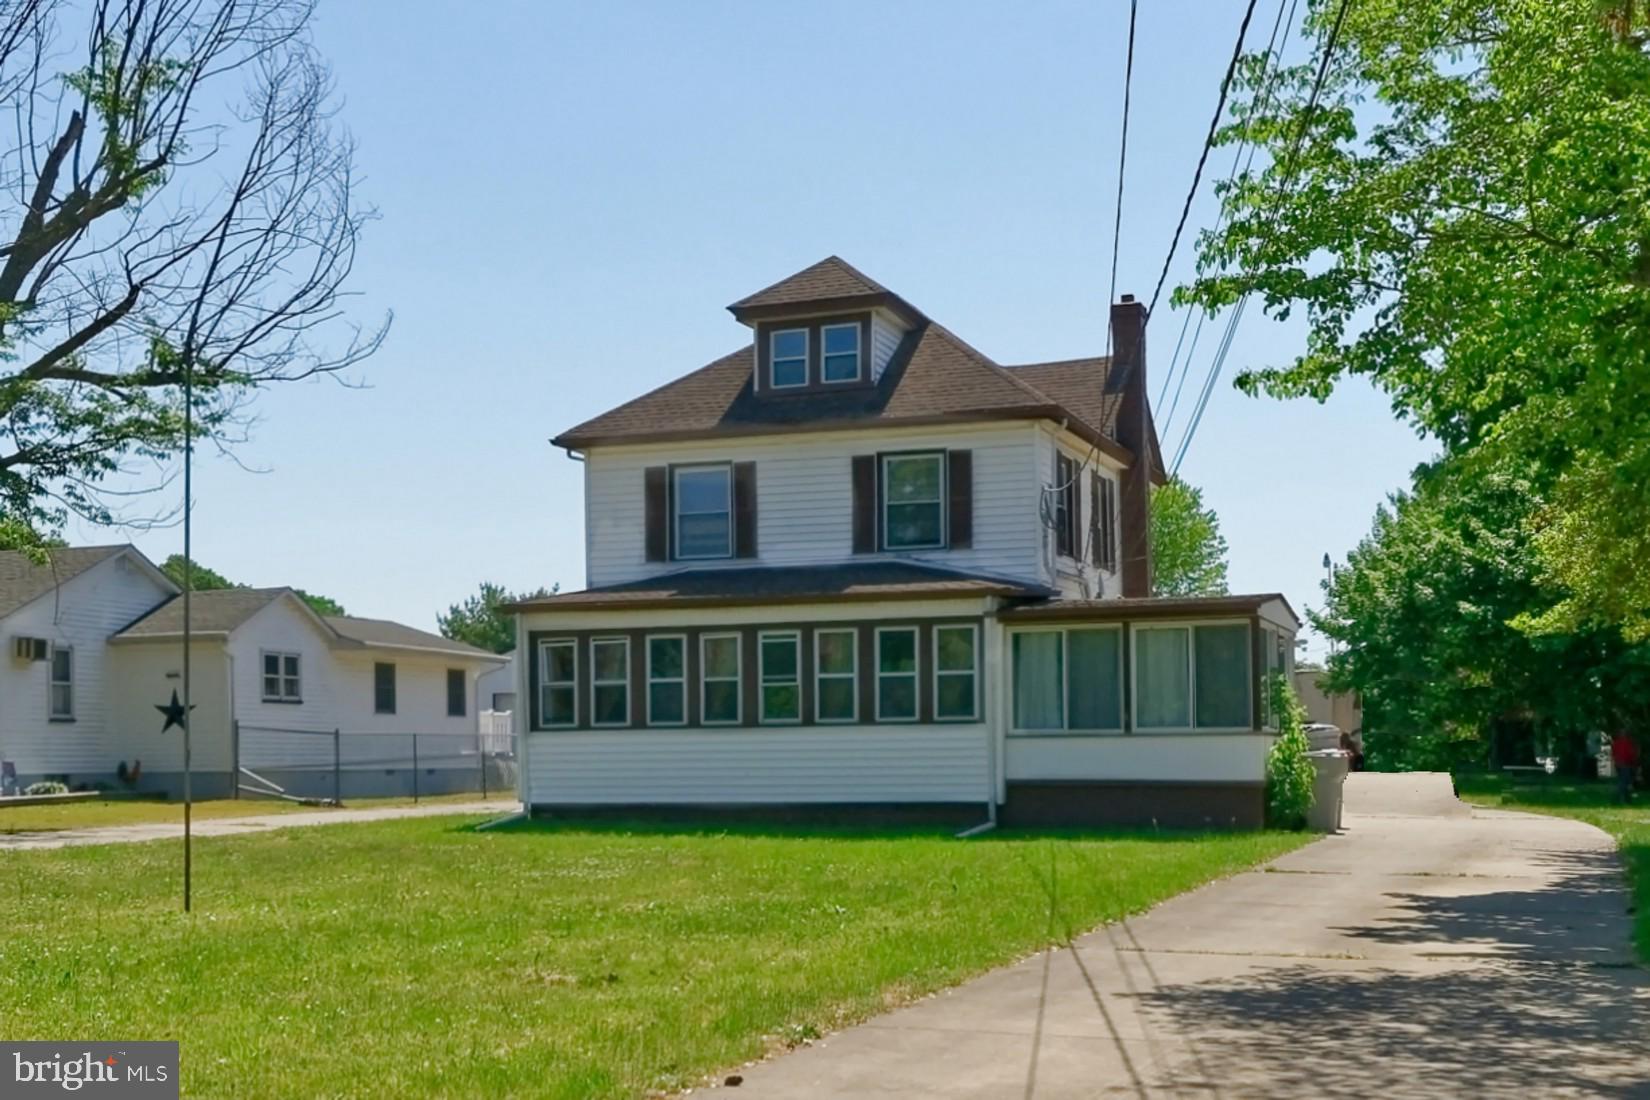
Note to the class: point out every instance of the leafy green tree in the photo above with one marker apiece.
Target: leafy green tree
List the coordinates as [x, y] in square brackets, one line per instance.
[1466, 226]
[478, 620]
[178, 199]
[1188, 550]
[204, 579]
[1289, 773]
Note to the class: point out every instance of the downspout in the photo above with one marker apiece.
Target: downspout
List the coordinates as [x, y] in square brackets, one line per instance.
[990, 821]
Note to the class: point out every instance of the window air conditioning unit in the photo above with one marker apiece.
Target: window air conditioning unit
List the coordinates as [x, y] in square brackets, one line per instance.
[29, 649]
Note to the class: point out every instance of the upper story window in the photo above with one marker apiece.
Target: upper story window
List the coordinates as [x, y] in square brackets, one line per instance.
[913, 501]
[788, 358]
[704, 512]
[841, 348]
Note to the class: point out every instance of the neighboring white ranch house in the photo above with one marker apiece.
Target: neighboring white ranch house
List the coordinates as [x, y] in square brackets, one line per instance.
[94, 644]
[856, 565]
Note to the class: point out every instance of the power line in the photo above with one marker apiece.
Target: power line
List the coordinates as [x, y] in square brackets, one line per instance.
[1285, 179]
[1281, 22]
[1203, 157]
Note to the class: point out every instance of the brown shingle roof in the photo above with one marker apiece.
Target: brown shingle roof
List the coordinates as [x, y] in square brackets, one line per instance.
[831, 279]
[1141, 607]
[1080, 385]
[23, 580]
[882, 580]
[935, 376]
[217, 611]
[383, 632]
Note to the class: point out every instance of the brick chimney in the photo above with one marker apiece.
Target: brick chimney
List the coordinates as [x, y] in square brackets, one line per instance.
[1127, 379]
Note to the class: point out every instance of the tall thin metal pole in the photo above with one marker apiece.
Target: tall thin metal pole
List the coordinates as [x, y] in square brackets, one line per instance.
[188, 583]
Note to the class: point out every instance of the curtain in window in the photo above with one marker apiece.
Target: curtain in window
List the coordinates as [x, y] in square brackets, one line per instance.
[1162, 677]
[1095, 691]
[1223, 676]
[1037, 677]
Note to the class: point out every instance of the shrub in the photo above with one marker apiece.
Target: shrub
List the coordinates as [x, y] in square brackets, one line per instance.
[47, 786]
[1289, 774]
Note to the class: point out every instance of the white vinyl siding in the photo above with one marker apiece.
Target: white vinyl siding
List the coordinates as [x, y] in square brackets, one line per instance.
[910, 763]
[805, 499]
[885, 341]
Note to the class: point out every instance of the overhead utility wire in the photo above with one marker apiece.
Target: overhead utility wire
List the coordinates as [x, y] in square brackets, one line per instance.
[1285, 23]
[1285, 179]
[1203, 157]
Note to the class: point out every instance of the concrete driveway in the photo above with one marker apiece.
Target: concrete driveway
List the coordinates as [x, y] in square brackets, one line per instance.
[1430, 949]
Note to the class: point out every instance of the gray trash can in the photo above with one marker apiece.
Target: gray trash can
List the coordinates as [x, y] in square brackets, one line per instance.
[1331, 766]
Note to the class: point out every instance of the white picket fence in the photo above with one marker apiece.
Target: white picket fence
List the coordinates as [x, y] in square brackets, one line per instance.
[497, 731]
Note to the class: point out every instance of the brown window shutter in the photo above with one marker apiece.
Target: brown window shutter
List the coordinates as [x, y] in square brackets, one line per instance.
[1096, 528]
[656, 490]
[865, 504]
[959, 479]
[744, 509]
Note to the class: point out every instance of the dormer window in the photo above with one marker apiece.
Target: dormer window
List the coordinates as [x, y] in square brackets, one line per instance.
[704, 512]
[841, 346]
[788, 358]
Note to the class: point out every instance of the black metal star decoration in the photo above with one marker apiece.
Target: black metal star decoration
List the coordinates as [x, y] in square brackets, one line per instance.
[175, 714]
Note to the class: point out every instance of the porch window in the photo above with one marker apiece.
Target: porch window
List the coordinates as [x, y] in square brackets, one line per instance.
[780, 667]
[913, 491]
[1068, 680]
[841, 362]
[704, 512]
[956, 678]
[558, 682]
[667, 680]
[1163, 677]
[1222, 676]
[62, 684]
[610, 681]
[719, 679]
[897, 674]
[788, 358]
[836, 684]
[1192, 677]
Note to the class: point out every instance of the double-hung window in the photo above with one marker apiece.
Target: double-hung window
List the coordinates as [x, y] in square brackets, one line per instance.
[913, 496]
[956, 673]
[841, 352]
[836, 684]
[281, 677]
[779, 661]
[558, 682]
[1192, 677]
[1065, 505]
[62, 684]
[719, 679]
[610, 681]
[788, 358]
[704, 511]
[667, 680]
[897, 674]
[1068, 680]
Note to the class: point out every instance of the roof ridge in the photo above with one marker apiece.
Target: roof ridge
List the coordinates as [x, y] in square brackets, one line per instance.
[871, 284]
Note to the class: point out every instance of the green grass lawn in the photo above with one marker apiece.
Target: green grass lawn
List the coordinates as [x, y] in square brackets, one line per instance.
[421, 958]
[1585, 801]
[53, 816]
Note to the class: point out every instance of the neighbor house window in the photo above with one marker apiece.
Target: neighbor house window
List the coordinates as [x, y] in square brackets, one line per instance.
[610, 681]
[455, 693]
[704, 512]
[836, 683]
[779, 663]
[897, 674]
[383, 688]
[62, 684]
[1192, 677]
[719, 679]
[558, 682]
[281, 677]
[956, 678]
[913, 489]
[1068, 680]
[841, 348]
[788, 358]
[667, 680]
[1065, 505]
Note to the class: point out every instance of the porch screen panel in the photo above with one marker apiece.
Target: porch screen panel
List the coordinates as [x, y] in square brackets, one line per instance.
[1038, 676]
[1163, 677]
[1223, 676]
[1095, 690]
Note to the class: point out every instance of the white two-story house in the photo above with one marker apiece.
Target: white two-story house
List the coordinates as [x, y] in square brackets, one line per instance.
[856, 564]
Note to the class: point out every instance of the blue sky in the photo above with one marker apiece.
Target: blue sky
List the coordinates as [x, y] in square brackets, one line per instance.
[571, 193]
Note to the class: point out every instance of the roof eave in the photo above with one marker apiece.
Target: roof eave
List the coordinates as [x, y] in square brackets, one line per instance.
[751, 315]
[655, 603]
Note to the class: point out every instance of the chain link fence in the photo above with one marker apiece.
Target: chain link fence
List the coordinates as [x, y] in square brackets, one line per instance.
[337, 765]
